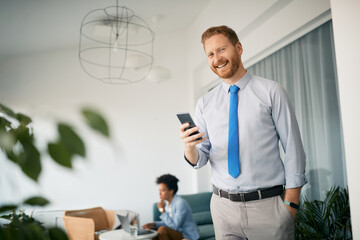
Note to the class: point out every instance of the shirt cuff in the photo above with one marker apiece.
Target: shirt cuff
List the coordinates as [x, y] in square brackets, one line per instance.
[193, 165]
[202, 160]
[295, 181]
[159, 224]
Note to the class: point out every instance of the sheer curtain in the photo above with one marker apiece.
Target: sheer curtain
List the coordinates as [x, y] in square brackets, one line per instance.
[306, 68]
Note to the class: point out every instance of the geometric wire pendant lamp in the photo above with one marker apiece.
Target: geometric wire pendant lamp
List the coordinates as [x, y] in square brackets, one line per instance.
[116, 46]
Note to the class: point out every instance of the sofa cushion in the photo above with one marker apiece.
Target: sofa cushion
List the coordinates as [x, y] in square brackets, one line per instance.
[202, 218]
[199, 202]
[206, 231]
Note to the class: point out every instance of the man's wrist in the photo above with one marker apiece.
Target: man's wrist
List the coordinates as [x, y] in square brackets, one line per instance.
[162, 210]
[189, 161]
[291, 204]
[292, 196]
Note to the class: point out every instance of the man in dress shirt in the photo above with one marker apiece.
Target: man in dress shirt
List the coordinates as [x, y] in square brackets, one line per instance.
[176, 218]
[249, 205]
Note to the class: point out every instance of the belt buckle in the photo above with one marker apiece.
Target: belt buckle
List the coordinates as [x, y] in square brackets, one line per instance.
[242, 197]
[237, 197]
[259, 193]
[219, 192]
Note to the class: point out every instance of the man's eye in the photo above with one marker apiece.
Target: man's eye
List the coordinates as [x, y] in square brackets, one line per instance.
[210, 55]
[223, 49]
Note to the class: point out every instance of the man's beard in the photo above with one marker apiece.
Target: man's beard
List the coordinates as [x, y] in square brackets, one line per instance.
[235, 64]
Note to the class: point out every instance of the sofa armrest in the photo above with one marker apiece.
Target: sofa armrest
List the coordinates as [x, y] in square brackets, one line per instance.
[110, 215]
[156, 213]
[79, 228]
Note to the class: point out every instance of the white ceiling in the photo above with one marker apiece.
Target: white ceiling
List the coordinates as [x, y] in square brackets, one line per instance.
[28, 26]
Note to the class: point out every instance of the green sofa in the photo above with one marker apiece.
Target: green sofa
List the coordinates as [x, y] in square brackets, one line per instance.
[200, 207]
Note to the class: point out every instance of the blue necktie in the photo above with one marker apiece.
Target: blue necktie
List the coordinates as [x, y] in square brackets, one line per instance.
[233, 144]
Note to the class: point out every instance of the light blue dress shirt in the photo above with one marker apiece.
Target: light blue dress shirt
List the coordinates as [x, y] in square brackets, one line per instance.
[265, 116]
[177, 216]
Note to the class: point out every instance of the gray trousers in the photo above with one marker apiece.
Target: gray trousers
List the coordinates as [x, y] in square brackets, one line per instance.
[254, 220]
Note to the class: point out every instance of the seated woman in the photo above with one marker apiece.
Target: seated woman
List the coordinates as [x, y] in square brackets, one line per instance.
[176, 218]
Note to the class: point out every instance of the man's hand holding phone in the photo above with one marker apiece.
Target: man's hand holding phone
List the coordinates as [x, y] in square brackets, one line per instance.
[191, 137]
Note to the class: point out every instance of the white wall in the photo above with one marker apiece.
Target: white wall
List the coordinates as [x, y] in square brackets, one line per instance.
[347, 38]
[273, 24]
[117, 174]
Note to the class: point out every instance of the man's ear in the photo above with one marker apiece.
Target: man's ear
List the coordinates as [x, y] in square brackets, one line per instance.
[239, 48]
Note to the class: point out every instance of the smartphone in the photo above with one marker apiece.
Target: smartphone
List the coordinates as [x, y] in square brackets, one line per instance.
[186, 118]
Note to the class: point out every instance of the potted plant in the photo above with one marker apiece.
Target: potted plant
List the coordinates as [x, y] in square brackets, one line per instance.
[328, 219]
[17, 142]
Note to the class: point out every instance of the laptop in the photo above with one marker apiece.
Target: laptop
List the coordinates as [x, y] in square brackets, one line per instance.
[125, 224]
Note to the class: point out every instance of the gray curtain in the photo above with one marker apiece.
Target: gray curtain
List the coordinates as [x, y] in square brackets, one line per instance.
[306, 68]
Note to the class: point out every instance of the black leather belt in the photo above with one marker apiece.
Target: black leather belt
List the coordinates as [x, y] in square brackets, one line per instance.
[251, 196]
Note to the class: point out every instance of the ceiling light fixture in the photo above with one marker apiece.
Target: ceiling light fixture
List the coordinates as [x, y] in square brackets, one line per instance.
[116, 46]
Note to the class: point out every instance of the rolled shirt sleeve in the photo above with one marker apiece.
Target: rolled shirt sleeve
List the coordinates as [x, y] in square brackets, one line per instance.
[287, 127]
[204, 147]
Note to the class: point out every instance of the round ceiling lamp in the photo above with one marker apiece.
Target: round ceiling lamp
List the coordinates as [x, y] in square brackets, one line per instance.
[158, 74]
[116, 46]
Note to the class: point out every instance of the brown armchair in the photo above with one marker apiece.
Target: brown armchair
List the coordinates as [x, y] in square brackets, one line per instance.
[87, 224]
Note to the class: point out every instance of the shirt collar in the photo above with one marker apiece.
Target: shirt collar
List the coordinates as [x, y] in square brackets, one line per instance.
[167, 202]
[241, 83]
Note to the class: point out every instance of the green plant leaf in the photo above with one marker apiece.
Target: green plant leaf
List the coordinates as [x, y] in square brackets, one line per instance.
[22, 133]
[27, 157]
[60, 154]
[36, 201]
[328, 219]
[57, 234]
[7, 140]
[7, 110]
[34, 230]
[96, 121]
[12, 156]
[71, 140]
[6, 208]
[23, 119]
[8, 217]
[4, 123]
[29, 161]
